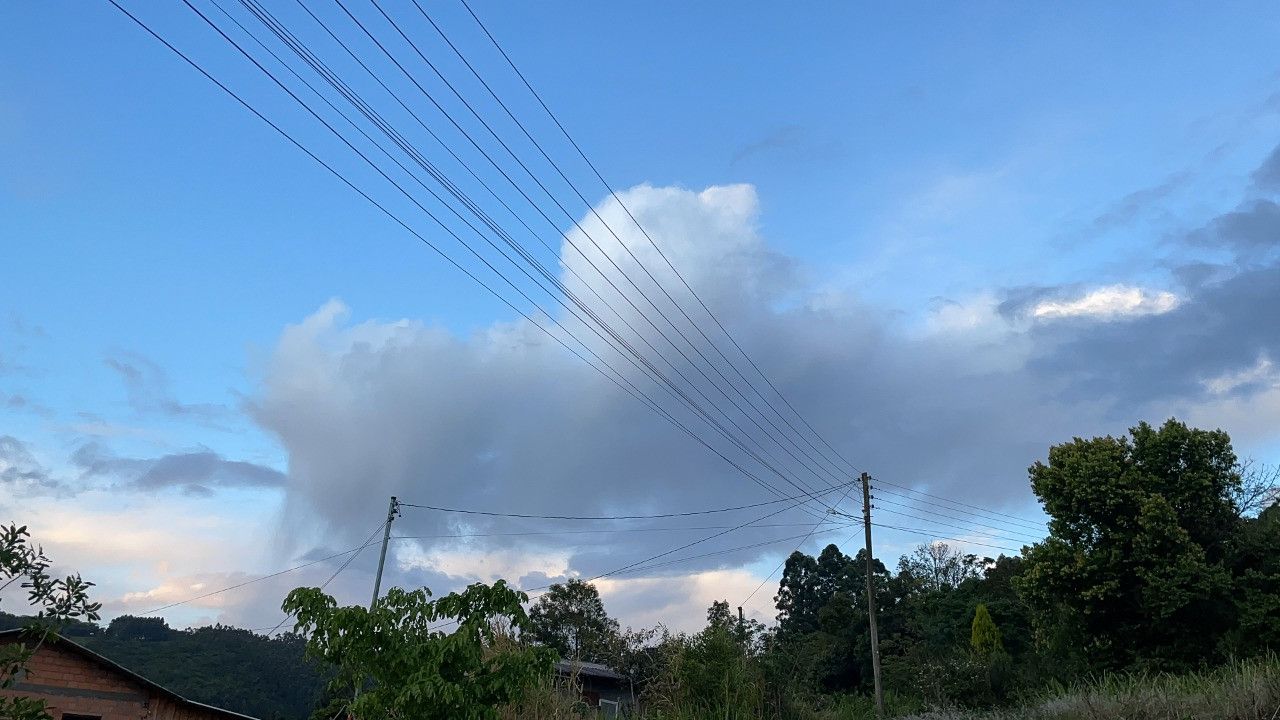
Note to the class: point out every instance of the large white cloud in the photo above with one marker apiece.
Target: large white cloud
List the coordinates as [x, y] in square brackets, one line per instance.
[505, 419]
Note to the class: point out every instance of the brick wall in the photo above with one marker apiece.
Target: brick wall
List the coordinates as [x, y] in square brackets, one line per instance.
[72, 683]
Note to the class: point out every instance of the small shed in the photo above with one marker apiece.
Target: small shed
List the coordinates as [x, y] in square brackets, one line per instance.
[79, 684]
[601, 686]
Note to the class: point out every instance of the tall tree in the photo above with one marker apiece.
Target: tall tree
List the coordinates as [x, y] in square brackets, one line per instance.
[938, 566]
[1256, 594]
[1259, 488]
[808, 584]
[798, 599]
[1007, 608]
[390, 661]
[822, 616]
[716, 675]
[1132, 571]
[571, 618]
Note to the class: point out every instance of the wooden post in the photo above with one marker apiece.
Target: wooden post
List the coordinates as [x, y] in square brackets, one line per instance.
[392, 510]
[871, 596]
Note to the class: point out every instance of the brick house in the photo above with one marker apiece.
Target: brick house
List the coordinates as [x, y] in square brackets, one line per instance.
[79, 684]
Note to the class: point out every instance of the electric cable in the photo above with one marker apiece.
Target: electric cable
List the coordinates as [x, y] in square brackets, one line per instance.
[263, 15]
[395, 217]
[625, 296]
[610, 517]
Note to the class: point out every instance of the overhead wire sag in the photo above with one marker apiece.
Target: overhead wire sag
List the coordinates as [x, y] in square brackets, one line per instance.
[666, 259]
[390, 214]
[364, 108]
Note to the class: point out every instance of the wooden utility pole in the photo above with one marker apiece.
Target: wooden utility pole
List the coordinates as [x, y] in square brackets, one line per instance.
[392, 510]
[871, 596]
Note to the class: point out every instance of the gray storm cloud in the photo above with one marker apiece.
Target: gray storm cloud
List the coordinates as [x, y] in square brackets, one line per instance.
[196, 472]
[506, 420]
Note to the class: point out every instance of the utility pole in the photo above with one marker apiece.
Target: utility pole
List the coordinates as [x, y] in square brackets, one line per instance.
[392, 511]
[871, 595]
[742, 627]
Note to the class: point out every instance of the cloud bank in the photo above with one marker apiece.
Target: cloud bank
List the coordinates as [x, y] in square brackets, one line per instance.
[506, 420]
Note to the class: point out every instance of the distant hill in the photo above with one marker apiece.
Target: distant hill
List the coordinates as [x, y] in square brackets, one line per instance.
[236, 669]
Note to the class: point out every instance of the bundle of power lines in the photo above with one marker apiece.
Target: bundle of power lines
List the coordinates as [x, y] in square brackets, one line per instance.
[366, 91]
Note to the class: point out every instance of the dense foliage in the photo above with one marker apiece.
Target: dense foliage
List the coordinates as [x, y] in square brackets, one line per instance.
[393, 660]
[570, 619]
[1136, 570]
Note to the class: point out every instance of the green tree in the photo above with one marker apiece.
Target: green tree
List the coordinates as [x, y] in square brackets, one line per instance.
[984, 637]
[938, 566]
[58, 601]
[571, 619]
[823, 639]
[404, 667]
[1259, 488]
[808, 584]
[1007, 609]
[798, 599]
[710, 674]
[1256, 570]
[720, 616]
[1132, 573]
[129, 627]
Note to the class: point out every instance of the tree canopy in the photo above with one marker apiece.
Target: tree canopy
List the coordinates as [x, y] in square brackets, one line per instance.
[1140, 534]
[571, 618]
[394, 661]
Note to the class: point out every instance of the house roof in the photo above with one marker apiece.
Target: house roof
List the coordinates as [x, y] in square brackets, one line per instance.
[84, 652]
[571, 667]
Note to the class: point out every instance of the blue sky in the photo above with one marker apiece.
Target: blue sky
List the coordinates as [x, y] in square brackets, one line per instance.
[918, 168]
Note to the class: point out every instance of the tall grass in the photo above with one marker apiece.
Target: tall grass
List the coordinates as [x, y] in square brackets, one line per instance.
[1245, 690]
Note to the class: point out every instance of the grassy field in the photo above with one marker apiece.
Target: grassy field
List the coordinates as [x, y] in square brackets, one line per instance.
[1243, 691]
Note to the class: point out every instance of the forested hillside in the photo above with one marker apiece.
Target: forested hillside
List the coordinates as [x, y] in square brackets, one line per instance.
[224, 666]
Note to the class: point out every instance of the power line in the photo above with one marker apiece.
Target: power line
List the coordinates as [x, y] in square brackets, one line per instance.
[651, 558]
[800, 544]
[336, 573]
[382, 208]
[611, 517]
[569, 240]
[985, 515]
[636, 567]
[237, 586]
[544, 329]
[935, 536]
[780, 565]
[607, 531]
[591, 208]
[933, 514]
[706, 308]
[954, 502]
[961, 528]
[528, 85]
[726, 551]
[363, 107]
